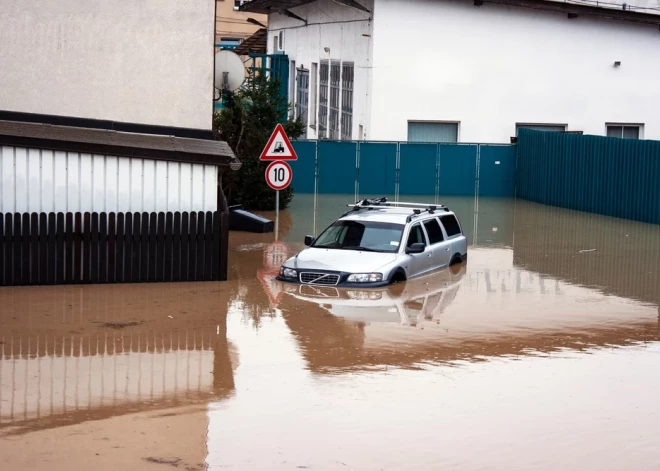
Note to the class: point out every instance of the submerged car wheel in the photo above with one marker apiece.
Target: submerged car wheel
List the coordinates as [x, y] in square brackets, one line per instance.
[397, 283]
[456, 264]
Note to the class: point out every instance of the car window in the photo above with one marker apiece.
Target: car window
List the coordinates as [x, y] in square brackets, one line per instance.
[416, 235]
[451, 225]
[333, 235]
[361, 235]
[433, 230]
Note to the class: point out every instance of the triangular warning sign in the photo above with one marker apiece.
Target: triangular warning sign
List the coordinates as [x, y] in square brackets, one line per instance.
[279, 147]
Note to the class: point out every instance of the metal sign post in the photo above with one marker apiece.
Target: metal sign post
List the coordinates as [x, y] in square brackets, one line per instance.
[278, 151]
[278, 177]
[277, 214]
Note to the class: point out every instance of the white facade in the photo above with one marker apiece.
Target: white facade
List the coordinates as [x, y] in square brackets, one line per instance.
[335, 33]
[146, 62]
[34, 180]
[485, 68]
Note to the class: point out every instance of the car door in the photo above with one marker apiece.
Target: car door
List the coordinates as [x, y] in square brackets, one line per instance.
[418, 263]
[441, 248]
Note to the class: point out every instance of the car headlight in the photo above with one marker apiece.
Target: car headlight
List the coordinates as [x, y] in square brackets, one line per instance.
[288, 272]
[365, 277]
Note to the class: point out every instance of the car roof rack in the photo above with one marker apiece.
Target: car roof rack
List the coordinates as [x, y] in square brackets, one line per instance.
[382, 203]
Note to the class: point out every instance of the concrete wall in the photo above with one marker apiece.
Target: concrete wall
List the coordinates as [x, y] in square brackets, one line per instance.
[346, 32]
[149, 61]
[34, 180]
[489, 67]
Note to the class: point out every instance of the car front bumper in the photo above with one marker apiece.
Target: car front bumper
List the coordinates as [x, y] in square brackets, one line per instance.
[344, 284]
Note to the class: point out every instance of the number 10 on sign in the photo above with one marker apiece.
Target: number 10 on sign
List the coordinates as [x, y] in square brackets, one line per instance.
[278, 177]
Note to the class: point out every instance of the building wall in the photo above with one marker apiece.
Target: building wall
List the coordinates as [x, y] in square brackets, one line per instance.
[346, 32]
[230, 23]
[147, 62]
[34, 180]
[490, 67]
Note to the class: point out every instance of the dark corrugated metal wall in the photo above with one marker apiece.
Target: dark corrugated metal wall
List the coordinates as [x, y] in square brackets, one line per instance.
[602, 175]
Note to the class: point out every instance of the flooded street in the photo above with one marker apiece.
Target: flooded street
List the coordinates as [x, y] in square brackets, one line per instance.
[542, 352]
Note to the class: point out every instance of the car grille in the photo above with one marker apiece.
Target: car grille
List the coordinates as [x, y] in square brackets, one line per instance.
[319, 278]
[319, 291]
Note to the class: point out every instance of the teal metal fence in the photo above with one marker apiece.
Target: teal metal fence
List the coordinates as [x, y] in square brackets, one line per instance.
[369, 169]
[602, 175]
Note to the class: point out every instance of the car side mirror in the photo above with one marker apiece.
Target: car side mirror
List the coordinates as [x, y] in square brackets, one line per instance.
[417, 247]
[309, 240]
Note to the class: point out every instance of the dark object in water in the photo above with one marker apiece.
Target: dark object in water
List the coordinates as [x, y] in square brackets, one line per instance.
[241, 220]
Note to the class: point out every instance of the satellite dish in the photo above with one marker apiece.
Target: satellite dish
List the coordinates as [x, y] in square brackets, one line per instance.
[229, 71]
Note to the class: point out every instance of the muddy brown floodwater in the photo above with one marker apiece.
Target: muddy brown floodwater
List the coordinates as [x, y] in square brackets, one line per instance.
[540, 353]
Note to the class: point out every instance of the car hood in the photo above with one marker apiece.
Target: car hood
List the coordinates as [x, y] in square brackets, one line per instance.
[352, 261]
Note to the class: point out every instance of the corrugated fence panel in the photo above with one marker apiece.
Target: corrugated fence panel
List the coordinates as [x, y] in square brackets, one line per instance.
[337, 167]
[33, 251]
[418, 169]
[304, 168]
[458, 169]
[609, 176]
[33, 180]
[497, 170]
[377, 169]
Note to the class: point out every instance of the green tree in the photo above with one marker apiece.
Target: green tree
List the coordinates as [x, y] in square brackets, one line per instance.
[245, 123]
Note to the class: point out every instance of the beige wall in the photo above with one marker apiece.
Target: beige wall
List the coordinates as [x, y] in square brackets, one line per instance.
[230, 23]
[148, 62]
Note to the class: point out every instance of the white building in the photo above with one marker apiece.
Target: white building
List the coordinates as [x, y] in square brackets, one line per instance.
[469, 70]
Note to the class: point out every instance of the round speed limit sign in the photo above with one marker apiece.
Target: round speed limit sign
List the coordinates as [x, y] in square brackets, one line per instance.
[278, 175]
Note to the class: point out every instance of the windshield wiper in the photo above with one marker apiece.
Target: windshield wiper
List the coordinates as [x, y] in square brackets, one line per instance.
[364, 249]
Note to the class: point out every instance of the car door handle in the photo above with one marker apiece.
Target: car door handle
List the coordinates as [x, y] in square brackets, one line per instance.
[447, 250]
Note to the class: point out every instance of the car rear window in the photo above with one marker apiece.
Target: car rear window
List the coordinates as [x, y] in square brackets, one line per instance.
[433, 230]
[451, 225]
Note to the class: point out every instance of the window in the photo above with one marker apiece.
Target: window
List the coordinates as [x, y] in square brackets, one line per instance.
[323, 98]
[335, 82]
[433, 230]
[419, 131]
[312, 96]
[292, 88]
[541, 127]
[451, 225]
[302, 94]
[347, 79]
[416, 236]
[229, 43]
[624, 131]
[361, 235]
[238, 3]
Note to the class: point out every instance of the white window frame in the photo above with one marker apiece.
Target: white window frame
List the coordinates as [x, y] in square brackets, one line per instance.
[313, 93]
[302, 109]
[639, 126]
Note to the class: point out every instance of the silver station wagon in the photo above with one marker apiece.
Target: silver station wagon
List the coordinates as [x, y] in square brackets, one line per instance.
[377, 243]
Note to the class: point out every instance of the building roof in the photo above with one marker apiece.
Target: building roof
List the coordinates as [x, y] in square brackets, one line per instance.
[117, 143]
[272, 6]
[573, 8]
[255, 43]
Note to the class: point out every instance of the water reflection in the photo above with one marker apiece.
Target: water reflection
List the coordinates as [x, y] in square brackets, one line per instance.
[72, 354]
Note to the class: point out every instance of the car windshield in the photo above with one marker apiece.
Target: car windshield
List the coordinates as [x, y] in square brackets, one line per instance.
[361, 235]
